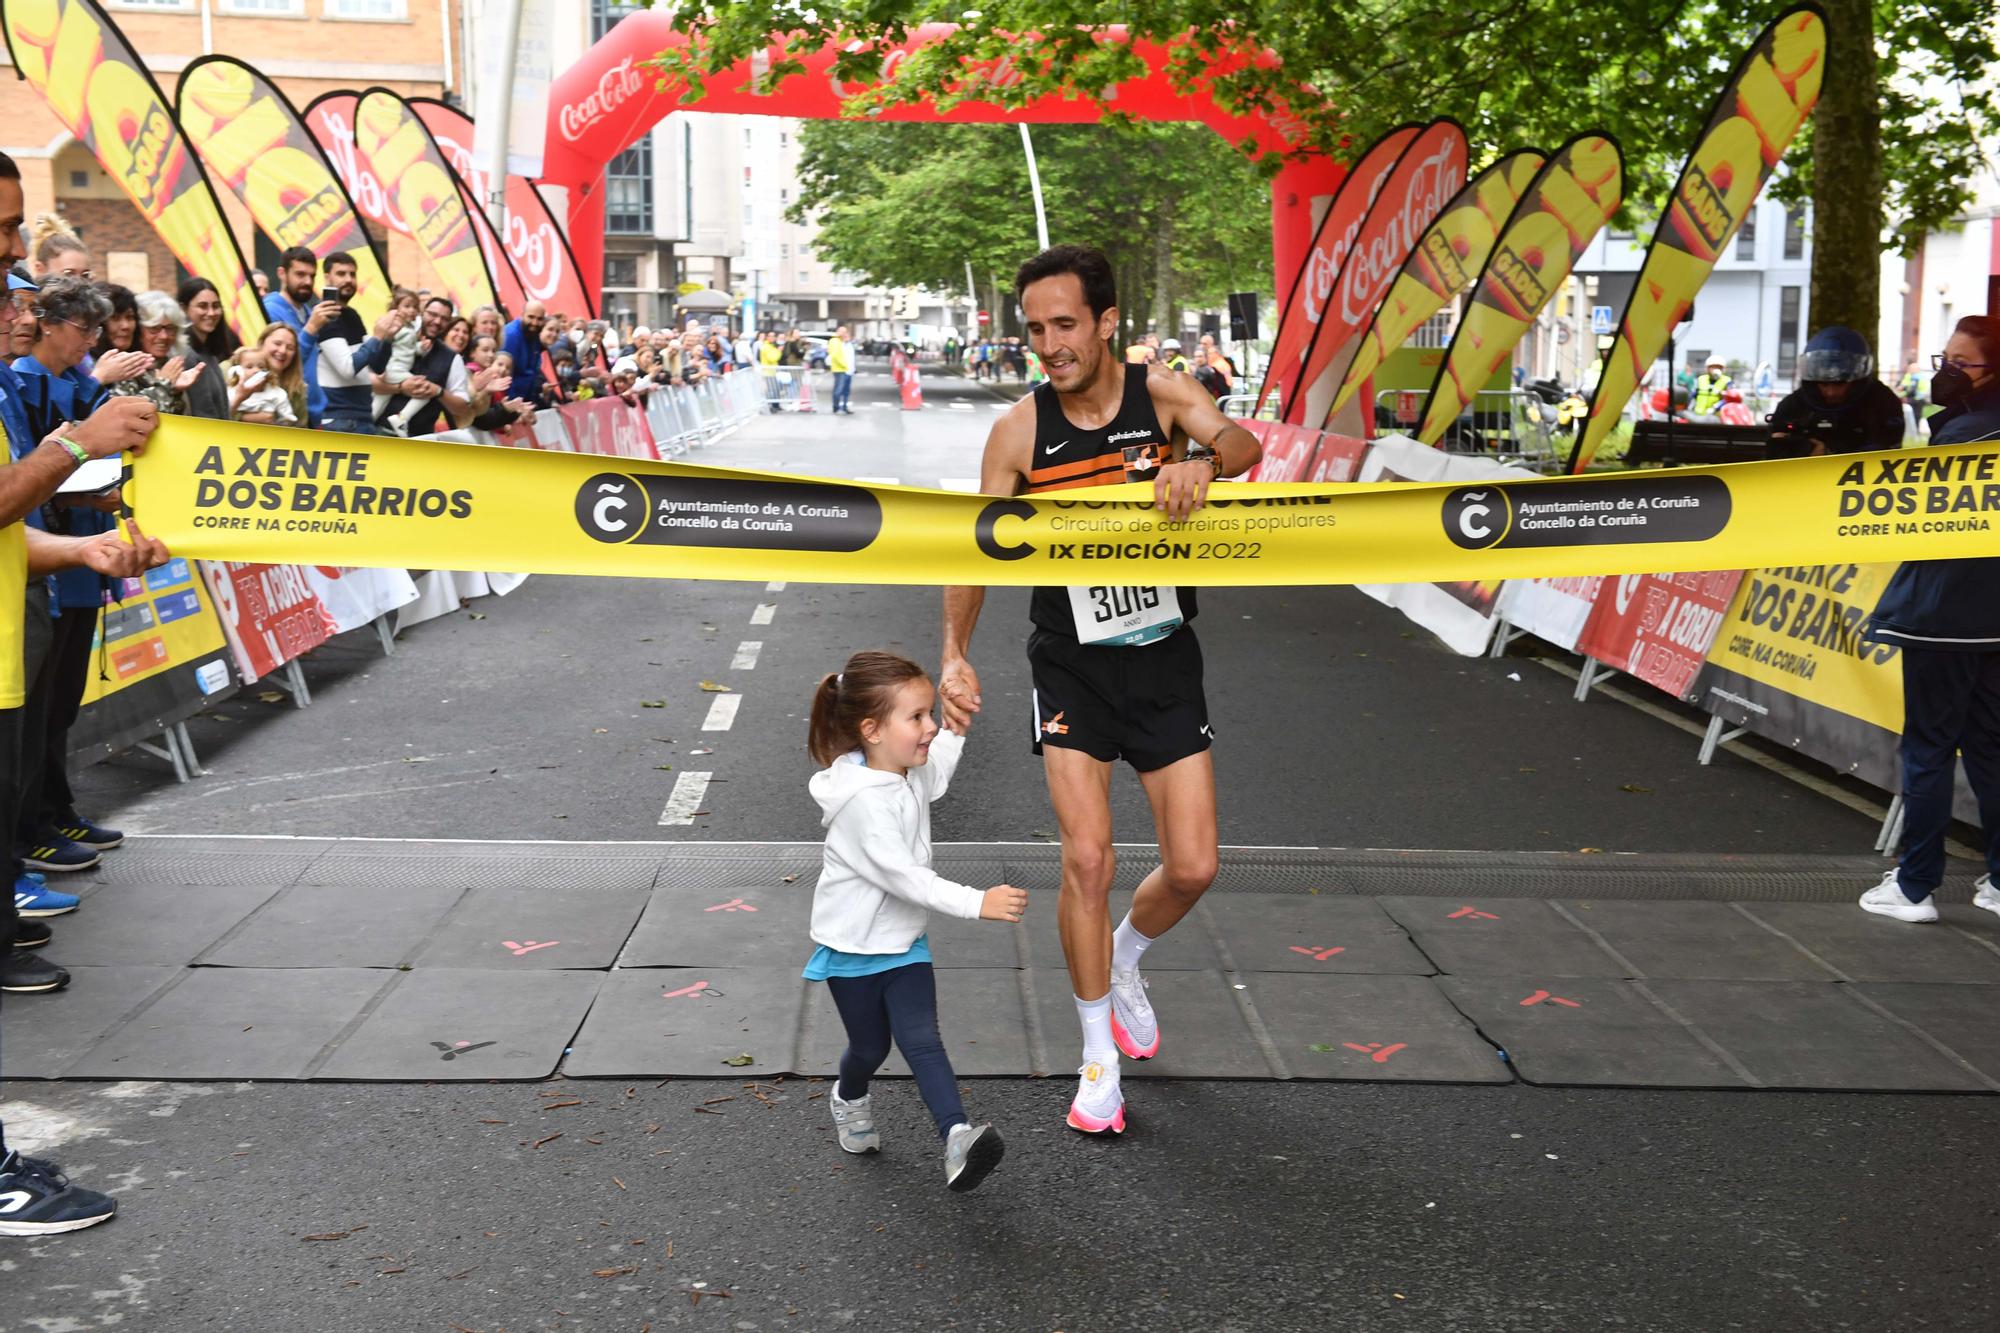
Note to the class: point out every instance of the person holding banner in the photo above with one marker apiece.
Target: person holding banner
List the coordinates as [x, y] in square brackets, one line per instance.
[1117, 671]
[1945, 616]
[35, 1197]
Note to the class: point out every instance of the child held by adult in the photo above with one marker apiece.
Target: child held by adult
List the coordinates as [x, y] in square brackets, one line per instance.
[883, 762]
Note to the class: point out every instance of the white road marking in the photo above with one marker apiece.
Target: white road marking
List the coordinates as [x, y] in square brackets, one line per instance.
[722, 713]
[777, 586]
[762, 615]
[746, 655]
[959, 407]
[969, 485]
[689, 788]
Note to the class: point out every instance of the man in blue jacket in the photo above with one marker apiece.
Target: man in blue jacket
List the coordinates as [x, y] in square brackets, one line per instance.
[522, 340]
[1945, 616]
[297, 305]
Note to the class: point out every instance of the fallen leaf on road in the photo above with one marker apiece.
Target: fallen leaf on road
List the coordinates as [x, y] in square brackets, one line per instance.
[574, 1101]
[790, 878]
[475, 615]
[327, 1235]
[1319, 1046]
[703, 750]
[271, 696]
[652, 703]
[1635, 788]
[613, 1272]
[621, 1185]
[714, 688]
[663, 768]
[550, 1139]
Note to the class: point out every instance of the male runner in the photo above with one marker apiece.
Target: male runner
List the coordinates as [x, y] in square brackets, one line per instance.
[1117, 671]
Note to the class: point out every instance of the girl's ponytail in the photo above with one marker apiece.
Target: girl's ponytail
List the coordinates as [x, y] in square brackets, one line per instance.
[822, 736]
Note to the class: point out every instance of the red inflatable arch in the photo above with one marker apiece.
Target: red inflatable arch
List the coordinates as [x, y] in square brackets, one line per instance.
[607, 99]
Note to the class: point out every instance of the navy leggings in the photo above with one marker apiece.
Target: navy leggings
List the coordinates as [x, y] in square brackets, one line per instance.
[899, 1004]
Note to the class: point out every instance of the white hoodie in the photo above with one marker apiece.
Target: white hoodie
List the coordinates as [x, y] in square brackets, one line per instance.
[876, 885]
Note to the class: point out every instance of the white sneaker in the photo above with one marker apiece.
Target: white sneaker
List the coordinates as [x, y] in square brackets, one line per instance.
[1133, 1025]
[1099, 1107]
[855, 1122]
[1888, 899]
[1985, 895]
[970, 1154]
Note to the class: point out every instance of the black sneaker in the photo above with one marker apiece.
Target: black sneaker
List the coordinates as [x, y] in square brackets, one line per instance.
[95, 836]
[52, 851]
[27, 973]
[33, 935]
[36, 1199]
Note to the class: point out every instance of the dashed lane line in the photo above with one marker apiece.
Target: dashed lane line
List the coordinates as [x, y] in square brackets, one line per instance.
[762, 615]
[746, 655]
[722, 713]
[775, 586]
[689, 789]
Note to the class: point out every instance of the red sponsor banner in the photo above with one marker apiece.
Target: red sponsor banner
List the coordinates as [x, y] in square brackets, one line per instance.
[1312, 289]
[413, 172]
[1659, 627]
[536, 244]
[1772, 90]
[1338, 458]
[270, 614]
[1569, 202]
[249, 135]
[1288, 452]
[1427, 176]
[609, 426]
[99, 88]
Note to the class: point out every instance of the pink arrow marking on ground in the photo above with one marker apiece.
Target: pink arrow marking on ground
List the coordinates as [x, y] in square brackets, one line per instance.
[529, 947]
[695, 989]
[1321, 954]
[1474, 913]
[1542, 995]
[733, 905]
[1376, 1051]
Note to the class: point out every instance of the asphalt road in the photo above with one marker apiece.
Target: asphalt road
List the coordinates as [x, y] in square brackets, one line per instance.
[1228, 1206]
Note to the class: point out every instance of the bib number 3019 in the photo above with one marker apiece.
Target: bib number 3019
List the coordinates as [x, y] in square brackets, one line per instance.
[1124, 617]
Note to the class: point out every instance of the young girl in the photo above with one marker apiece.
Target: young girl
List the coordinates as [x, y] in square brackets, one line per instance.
[884, 763]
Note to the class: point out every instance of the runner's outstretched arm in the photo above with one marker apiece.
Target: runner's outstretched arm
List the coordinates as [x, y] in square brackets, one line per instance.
[1002, 471]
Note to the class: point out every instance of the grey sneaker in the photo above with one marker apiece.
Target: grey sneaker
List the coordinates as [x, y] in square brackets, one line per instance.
[1985, 895]
[970, 1154]
[855, 1121]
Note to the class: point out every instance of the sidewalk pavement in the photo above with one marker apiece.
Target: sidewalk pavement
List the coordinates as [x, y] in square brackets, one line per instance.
[357, 959]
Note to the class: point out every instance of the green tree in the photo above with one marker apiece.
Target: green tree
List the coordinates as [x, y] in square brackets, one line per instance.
[1907, 97]
[1183, 217]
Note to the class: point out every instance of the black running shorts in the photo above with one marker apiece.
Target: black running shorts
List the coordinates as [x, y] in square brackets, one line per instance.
[1143, 705]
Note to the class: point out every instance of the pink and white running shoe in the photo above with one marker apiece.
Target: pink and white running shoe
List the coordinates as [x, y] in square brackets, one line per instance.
[1133, 1025]
[1099, 1107]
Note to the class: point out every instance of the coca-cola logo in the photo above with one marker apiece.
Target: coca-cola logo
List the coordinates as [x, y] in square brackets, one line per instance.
[615, 87]
[1324, 266]
[533, 246]
[1373, 266]
[336, 137]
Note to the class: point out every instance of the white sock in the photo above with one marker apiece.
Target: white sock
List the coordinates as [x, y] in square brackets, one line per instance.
[1127, 946]
[1098, 1047]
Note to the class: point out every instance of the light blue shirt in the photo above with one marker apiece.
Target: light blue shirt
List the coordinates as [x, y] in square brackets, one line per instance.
[827, 962]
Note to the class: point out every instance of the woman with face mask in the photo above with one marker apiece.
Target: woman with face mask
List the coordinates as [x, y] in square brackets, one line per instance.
[1945, 616]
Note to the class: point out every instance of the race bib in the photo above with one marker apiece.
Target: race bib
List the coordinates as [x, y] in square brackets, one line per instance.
[1124, 617]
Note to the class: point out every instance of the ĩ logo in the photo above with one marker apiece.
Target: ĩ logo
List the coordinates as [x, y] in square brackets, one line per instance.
[611, 508]
[1477, 517]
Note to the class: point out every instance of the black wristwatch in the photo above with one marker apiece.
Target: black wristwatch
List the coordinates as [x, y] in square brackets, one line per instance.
[1202, 453]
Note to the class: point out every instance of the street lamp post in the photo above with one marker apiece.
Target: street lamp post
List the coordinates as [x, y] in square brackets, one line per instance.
[501, 104]
[1035, 186]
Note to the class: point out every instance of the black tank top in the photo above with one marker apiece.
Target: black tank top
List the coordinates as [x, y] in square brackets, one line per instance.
[1067, 456]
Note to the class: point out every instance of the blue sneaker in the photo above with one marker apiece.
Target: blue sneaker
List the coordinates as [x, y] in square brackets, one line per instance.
[32, 899]
[55, 852]
[86, 834]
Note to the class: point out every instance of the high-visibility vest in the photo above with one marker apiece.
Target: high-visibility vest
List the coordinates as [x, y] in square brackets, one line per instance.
[1708, 391]
[1177, 362]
